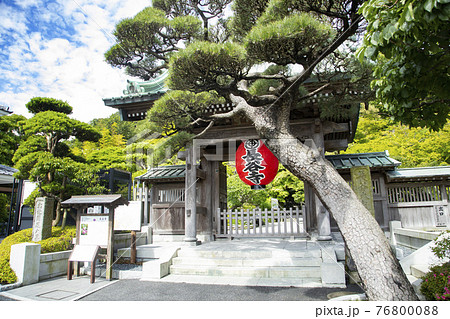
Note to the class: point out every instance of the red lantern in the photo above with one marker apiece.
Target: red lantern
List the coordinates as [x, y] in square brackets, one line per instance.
[255, 164]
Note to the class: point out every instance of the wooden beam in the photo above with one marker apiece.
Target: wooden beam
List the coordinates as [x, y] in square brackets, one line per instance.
[336, 145]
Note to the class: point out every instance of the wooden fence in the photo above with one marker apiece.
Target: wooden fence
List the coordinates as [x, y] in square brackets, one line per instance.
[261, 223]
[419, 205]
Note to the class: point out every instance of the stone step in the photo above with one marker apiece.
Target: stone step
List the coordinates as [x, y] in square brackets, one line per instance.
[244, 281]
[145, 251]
[256, 272]
[252, 254]
[419, 270]
[247, 262]
[416, 283]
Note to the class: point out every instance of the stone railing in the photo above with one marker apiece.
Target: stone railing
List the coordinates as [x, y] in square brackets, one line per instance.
[53, 264]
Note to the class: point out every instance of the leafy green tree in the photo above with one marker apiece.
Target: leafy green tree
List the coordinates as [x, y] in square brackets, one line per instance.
[414, 147]
[4, 208]
[125, 128]
[306, 34]
[409, 42]
[288, 189]
[45, 158]
[107, 152]
[10, 137]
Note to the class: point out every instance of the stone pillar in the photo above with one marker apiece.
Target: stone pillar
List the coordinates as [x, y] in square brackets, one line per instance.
[362, 186]
[190, 222]
[42, 218]
[25, 260]
[323, 222]
[311, 220]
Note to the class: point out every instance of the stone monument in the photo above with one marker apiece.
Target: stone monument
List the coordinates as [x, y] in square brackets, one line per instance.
[362, 186]
[42, 218]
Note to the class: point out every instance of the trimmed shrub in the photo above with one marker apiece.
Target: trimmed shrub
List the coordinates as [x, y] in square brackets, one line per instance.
[61, 240]
[436, 283]
[441, 247]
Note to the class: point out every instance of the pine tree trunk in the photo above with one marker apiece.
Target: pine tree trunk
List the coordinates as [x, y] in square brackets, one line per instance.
[380, 271]
[58, 214]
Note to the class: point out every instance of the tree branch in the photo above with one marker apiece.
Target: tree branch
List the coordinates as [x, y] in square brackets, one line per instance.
[211, 124]
[240, 107]
[307, 96]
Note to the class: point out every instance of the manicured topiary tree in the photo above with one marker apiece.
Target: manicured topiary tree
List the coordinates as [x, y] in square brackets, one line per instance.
[46, 159]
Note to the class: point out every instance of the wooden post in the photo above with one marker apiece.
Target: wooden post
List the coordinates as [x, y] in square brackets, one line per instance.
[110, 248]
[146, 208]
[93, 270]
[190, 227]
[69, 270]
[133, 247]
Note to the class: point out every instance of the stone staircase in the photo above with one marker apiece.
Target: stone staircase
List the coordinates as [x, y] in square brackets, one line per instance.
[264, 262]
[252, 262]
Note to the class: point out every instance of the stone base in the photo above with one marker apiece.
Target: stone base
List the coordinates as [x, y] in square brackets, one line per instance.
[192, 243]
[324, 238]
[353, 277]
[25, 261]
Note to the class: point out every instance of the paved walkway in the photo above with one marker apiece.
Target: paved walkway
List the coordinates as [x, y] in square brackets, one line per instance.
[61, 289]
[57, 289]
[179, 287]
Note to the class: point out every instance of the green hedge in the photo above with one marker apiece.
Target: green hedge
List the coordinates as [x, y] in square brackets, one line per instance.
[436, 283]
[61, 240]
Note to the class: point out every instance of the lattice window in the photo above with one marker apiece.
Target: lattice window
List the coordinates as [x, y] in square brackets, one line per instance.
[376, 187]
[171, 195]
[408, 194]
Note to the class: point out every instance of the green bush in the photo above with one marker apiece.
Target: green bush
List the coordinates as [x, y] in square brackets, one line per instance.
[61, 240]
[436, 283]
[441, 247]
[4, 208]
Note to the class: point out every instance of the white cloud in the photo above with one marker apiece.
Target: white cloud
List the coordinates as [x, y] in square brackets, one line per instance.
[11, 20]
[70, 66]
[24, 4]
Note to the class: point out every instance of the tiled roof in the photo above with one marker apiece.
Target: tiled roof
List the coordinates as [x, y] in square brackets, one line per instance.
[173, 172]
[6, 170]
[4, 110]
[374, 160]
[114, 200]
[420, 173]
[140, 91]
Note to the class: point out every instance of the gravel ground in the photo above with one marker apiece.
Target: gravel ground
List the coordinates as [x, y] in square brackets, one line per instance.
[129, 267]
[135, 290]
[3, 298]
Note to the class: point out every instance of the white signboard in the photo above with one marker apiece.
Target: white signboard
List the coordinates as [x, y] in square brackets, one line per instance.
[441, 216]
[97, 210]
[274, 203]
[128, 217]
[83, 253]
[94, 230]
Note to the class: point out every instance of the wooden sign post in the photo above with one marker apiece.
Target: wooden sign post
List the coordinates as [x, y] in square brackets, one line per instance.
[82, 253]
[94, 229]
[129, 218]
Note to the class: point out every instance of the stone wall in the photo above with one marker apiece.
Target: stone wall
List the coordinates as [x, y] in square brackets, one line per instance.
[53, 264]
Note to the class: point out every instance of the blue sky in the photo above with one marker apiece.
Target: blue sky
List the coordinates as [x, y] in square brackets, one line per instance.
[56, 49]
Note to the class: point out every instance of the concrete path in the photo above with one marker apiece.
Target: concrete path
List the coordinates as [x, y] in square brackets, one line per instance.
[57, 289]
[135, 290]
[61, 289]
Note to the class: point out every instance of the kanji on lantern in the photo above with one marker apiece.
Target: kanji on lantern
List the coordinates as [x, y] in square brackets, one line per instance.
[255, 164]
